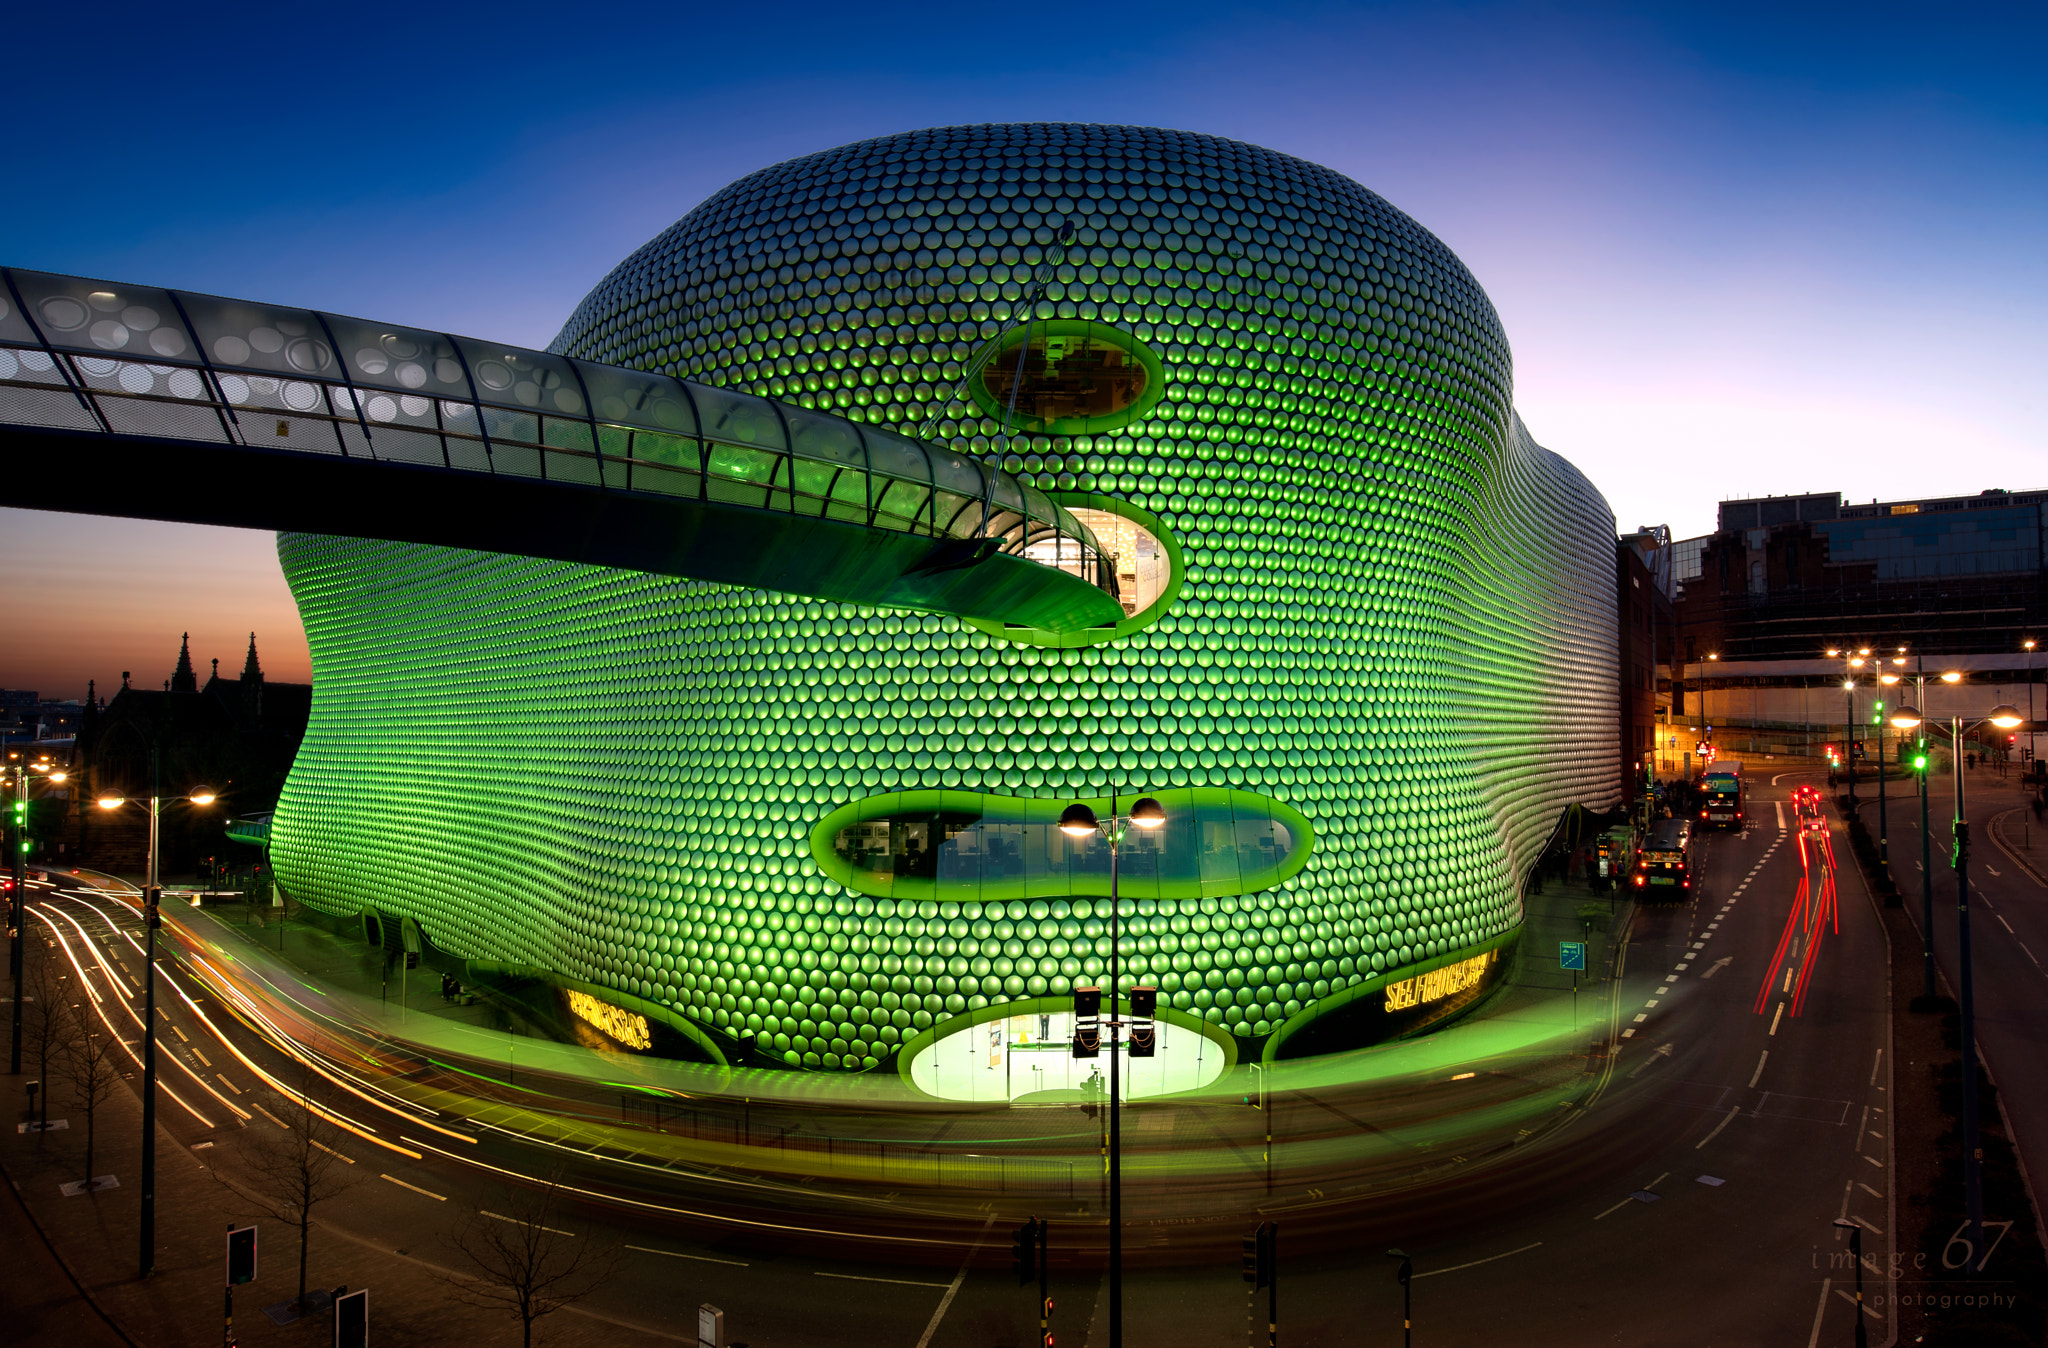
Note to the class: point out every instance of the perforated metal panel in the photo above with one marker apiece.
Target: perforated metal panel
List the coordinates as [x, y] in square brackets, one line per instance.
[1396, 614]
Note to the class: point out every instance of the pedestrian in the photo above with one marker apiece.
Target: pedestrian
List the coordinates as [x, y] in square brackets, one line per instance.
[446, 993]
[1972, 759]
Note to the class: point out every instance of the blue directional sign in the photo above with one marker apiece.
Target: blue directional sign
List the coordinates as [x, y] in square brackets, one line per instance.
[1571, 954]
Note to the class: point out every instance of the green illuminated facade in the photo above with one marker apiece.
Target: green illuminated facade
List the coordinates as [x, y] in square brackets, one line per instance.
[1378, 661]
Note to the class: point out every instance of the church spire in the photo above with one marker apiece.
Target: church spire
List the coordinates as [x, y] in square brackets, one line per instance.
[183, 680]
[252, 669]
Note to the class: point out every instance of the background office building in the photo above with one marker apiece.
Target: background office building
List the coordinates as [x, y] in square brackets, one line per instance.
[1957, 582]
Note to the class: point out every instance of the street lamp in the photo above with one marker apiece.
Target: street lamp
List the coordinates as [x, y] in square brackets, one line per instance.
[1078, 821]
[152, 918]
[2005, 718]
[18, 871]
[1885, 679]
[1701, 699]
[1853, 662]
[2033, 753]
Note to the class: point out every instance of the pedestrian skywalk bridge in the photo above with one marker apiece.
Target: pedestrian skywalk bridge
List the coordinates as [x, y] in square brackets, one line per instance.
[158, 404]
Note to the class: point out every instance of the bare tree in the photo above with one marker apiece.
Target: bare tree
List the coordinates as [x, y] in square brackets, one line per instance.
[295, 1169]
[91, 1065]
[517, 1257]
[45, 1013]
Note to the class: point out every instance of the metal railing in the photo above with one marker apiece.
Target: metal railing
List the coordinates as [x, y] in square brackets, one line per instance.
[85, 355]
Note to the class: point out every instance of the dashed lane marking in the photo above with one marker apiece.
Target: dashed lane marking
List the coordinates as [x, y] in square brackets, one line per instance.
[700, 1258]
[438, 1198]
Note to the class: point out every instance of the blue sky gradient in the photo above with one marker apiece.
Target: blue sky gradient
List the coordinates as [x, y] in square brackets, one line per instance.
[1737, 249]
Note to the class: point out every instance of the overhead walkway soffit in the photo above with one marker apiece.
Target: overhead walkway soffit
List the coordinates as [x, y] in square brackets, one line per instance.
[158, 404]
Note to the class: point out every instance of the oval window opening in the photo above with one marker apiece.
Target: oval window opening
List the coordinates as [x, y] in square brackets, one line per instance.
[1138, 560]
[1068, 377]
[1028, 1058]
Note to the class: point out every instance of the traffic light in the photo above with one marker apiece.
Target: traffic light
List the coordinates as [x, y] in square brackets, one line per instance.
[1260, 1254]
[1087, 1022]
[1024, 1252]
[1144, 1030]
[1920, 762]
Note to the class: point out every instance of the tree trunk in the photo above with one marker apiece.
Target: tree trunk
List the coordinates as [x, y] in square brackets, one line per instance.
[90, 1114]
[305, 1222]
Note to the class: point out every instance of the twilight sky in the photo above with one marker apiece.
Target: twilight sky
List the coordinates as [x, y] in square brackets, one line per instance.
[1738, 249]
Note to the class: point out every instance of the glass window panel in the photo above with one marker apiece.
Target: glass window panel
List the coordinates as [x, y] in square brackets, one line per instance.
[896, 455]
[97, 316]
[261, 337]
[636, 399]
[401, 360]
[1216, 841]
[821, 437]
[513, 377]
[559, 433]
[738, 418]
[508, 426]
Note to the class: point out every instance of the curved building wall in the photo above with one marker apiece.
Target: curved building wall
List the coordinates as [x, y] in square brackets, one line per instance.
[1393, 618]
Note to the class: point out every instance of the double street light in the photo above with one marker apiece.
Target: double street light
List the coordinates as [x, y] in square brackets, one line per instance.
[20, 773]
[2004, 717]
[1078, 821]
[152, 918]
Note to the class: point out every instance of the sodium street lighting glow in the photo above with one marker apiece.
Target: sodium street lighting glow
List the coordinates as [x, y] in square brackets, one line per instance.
[1905, 718]
[1952, 677]
[112, 802]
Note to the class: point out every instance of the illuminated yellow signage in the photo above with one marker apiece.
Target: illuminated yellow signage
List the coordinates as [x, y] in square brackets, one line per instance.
[615, 1021]
[1439, 984]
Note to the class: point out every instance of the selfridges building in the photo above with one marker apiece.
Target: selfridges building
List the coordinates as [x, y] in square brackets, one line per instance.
[1367, 660]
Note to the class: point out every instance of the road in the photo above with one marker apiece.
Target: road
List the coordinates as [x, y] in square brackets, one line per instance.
[1683, 1191]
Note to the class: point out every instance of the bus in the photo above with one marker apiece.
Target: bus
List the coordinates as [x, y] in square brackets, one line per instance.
[1722, 807]
[1665, 860]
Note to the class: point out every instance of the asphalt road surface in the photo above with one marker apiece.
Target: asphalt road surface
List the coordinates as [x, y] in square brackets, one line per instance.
[1686, 1194]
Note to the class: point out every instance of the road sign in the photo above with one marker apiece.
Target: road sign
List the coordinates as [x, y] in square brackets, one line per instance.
[352, 1320]
[1571, 954]
[710, 1327]
[241, 1255]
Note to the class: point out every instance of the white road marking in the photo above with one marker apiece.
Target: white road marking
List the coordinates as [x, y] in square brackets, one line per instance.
[947, 1300]
[1779, 806]
[438, 1198]
[337, 1155]
[1717, 966]
[700, 1258]
[899, 1282]
[2003, 923]
[1775, 1019]
[1999, 874]
[1853, 1301]
[1867, 1189]
[1728, 1119]
[1818, 1311]
[1757, 1075]
[1477, 1262]
[551, 1230]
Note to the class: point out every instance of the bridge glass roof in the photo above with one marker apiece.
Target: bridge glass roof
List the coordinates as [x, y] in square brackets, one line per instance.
[86, 355]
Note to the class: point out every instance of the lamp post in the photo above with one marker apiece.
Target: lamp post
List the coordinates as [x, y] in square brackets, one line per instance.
[152, 918]
[1078, 821]
[1885, 679]
[18, 874]
[1852, 661]
[2033, 753]
[2005, 718]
